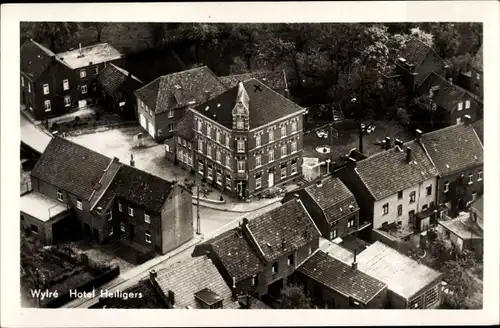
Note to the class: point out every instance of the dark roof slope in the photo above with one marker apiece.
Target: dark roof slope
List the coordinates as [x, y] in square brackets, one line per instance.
[387, 172]
[477, 61]
[341, 278]
[112, 78]
[479, 127]
[274, 79]
[70, 167]
[137, 187]
[334, 198]
[283, 229]
[35, 59]
[181, 89]
[237, 255]
[414, 51]
[185, 127]
[454, 148]
[265, 106]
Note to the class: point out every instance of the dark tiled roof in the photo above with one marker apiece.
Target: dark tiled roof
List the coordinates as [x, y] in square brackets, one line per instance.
[454, 148]
[290, 223]
[449, 95]
[70, 167]
[265, 105]
[186, 279]
[137, 187]
[181, 89]
[35, 59]
[237, 255]
[185, 127]
[149, 300]
[341, 278]
[274, 79]
[334, 199]
[479, 127]
[112, 78]
[414, 51]
[387, 172]
[477, 61]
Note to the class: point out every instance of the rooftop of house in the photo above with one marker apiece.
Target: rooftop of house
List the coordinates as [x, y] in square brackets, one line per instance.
[137, 187]
[341, 277]
[70, 167]
[454, 148]
[35, 59]
[276, 80]
[185, 127]
[40, 206]
[112, 78]
[264, 105]
[338, 252]
[389, 172]
[415, 51]
[186, 279]
[479, 127]
[237, 255]
[181, 89]
[90, 55]
[149, 300]
[334, 198]
[283, 229]
[459, 228]
[477, 61]
[403, 275]
[449, 95]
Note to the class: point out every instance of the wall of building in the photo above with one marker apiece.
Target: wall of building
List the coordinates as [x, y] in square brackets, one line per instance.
[476, 186]
[170, 148]
[162, 122]
[44, 234]
[430, 64]
[476, 82]
[363, 197]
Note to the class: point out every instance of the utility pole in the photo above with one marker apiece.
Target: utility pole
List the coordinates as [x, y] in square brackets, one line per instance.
[198, 228]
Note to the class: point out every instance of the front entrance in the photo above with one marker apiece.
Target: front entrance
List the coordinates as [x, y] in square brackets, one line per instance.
[270, 181]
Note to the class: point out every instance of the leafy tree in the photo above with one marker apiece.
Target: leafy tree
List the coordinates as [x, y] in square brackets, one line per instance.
[423, 36]
[157, 33]
[464, 287]
[56, 35]
[238, 66]
[199, 34]
[293, 297]
[423, 111]
[98, 27]
[459, 64]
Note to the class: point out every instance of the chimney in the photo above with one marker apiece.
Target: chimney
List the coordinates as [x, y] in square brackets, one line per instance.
[398, 142]
[132, 162]
[296, 196]
[90, 63]
[352, 162]
[283, 244]
[152, 274]
[207, 95]
[408, 154]
[354, 263]
[244, 223]
[467, 119]
[419, 135]
[80, 47]
[171, 298]
[387, 142]
[319, 183]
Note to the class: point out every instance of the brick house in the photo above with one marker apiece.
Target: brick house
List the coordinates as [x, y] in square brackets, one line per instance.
[246, 140]
[275, 80]
[86, 64]
[337, 285]
[45, 82]
[332, 207]
[164, 101]
[457, 154]
[396, 190]
[112, 201]
[452, 102]
[115, 90]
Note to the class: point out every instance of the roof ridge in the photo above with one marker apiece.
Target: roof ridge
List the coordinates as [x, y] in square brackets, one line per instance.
[174, 267]
[45, 49]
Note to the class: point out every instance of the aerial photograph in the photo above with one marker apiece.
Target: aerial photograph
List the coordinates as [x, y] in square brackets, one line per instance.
[251, 165]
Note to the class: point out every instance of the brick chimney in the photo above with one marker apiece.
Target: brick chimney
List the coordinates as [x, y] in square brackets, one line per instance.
[408, 154]
[354, 263]
[468, 119]
[352, 162]
[398, 142]
[387, 143]
[132, 162]
[319, 183]
[171, 298]
[419, 135]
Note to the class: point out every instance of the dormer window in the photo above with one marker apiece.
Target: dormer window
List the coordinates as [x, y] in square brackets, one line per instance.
[240, 124]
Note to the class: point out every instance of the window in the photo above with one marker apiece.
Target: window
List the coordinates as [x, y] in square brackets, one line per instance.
[293, 147]
[142, 104]
[130, 211]
[283, 170]
[171, 127]
[294, 127]
[258, 161]
[275, 268]
[218, 156]
[190, 160]
[254, 280]
[84, 89]
[271, 155]
[310, 250]
[209, 150]
[189, 145]
[271, 136]
[200, 146]
[179, 154]
[350, 223]
[227, 142]
[400, 210]
[159, 132]
[412, 197]
[147, 237]
[446, 186]
[241, 146]
[258, 181]
[219, 178]
[110, 231]
[122, 227]
[217, 136]
[29, 87]
[294, 166]
[429, 190]
[45, 89]
[170, 113]
[478, 76]
[200, 167]
[228, 161]
[386, 208]
[79, 204]
[283, 131]
[47, 106]
[34, 228]
[200, 125]
[22, 81]
[467, 104]
[228, 182]
[474, 196]
[459, 120]
[147, 218]
[460, 105]
[209, 130]
[96, 70]
[470, 178]
[186, 157]
[333, 234]
[240, 124]
[400, 194]
[109, 214]
[290, 260]
[83, 73]
[209, 172]
[241, 166]
[67, 101]
[424, 207]
[120, 208]
[283, 151]
[257, 141]
[59, 195]
[479, 175]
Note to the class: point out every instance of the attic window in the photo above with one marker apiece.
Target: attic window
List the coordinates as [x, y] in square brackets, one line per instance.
[209, 299]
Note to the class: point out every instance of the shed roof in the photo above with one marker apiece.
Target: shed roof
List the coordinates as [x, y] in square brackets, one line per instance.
[41, 207]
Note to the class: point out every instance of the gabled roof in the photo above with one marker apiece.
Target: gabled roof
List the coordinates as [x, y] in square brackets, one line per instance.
[454, 148]
[276, 80]
[283, 229]
[185, 127]
[35, 59]
[449, 95]
[112, 78]
[265, 105]
[334, 198]
[415, 51]
[237, 255]
[70, 167]
[341, 277]
[403, 275]
[388, 172]
[137, 187]
[477, 61]
[181, 89]
[187, 278]
[90, 55]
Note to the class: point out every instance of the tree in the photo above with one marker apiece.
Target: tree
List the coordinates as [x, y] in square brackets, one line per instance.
[98, 27]
[463, 287]
[56, 35]
[422, 111]
[238, 66]
[157, 33]
[293, 297]
[459, 64]
[199, 34]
